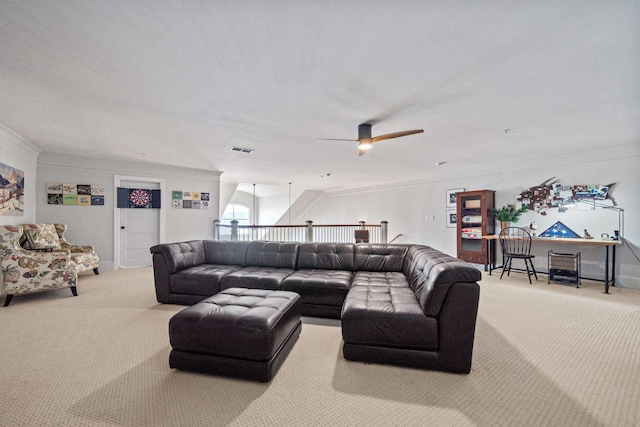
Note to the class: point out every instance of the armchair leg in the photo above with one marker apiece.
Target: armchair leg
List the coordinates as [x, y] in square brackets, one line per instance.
[8, 299]
[95, 270]
[74, 291]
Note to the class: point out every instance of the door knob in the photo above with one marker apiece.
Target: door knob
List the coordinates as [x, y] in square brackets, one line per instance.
[122, 227]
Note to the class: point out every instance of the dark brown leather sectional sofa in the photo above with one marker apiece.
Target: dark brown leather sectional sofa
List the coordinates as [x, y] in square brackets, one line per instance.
[407, 305]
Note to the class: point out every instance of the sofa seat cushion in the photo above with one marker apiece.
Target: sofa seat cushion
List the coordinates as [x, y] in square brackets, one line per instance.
[203, 279]
[320, 287]
[387, 316]
[379, 278]
[256, 278]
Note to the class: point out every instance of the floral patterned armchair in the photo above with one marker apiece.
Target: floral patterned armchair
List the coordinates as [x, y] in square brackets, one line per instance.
[26, 271]
[51, 237]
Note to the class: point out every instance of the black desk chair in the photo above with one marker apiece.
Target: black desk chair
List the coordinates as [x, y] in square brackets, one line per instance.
[516, 243]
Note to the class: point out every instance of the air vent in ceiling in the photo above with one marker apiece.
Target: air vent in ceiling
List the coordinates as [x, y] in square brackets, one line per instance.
[241, 150]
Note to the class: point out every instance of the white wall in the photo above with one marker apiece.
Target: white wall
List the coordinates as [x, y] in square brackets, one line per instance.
[406, 205]
[94, 224]
[20, 154]
[245, 199]
[227, 191]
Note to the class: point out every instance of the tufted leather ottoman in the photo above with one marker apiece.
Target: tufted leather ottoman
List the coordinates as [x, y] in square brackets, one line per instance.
[245, 333]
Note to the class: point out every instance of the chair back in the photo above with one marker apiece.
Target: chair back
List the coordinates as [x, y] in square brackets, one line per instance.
[515, 241]
[9, 237]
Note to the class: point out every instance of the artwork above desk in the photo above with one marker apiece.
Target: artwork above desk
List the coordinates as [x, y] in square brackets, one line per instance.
[606, 243]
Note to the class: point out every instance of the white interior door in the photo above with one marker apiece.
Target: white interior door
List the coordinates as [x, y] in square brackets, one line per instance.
[139, 230]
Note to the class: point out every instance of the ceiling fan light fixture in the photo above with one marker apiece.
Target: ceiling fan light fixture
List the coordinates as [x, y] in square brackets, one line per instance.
[365, 139]
[364, 144]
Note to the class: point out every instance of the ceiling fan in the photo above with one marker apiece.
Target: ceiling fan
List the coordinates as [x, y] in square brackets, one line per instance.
[365, 139]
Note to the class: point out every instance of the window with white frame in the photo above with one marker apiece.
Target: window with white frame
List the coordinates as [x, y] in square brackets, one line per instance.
[236, 211]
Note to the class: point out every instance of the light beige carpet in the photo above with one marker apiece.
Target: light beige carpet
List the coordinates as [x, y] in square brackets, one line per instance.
[544, 355]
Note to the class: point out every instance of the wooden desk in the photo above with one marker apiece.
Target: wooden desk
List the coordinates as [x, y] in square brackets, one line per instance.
[607, 243]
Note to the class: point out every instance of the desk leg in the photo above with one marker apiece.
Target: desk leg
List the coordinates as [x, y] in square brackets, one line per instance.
[490, 243]
[613, 268]
[606, 270]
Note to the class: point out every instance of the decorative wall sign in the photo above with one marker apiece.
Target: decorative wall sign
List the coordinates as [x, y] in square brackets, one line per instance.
[553, 194]
[190, 200]
[11, 191]
[75, 194]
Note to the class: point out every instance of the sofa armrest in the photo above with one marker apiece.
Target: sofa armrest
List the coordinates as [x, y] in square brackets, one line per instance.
[79, 249]
[60, 229]
[180, 256]
[457, 326]
[27, 257]
[162, 278]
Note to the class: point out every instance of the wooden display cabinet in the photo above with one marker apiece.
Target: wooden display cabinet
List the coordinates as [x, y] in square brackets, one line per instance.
[474, 220]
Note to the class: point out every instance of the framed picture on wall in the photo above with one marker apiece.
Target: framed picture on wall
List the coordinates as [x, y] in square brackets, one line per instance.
[452, 218]
[451, 197]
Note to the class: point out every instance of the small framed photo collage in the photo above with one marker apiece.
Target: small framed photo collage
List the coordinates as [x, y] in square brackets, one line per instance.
[190, 200]
[75, 194]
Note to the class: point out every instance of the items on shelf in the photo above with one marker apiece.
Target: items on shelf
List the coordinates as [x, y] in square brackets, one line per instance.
[471, 233]
[470, 219]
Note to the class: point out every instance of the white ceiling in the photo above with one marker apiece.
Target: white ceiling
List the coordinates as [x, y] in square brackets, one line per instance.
[179, 82]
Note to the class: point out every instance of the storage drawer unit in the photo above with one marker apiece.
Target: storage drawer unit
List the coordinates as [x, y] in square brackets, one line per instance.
[564, 267]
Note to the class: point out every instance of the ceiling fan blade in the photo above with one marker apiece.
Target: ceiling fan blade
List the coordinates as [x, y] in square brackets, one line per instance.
[337, 139]
[396, 135]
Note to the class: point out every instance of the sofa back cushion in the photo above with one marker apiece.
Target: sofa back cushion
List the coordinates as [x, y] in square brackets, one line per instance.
[225, 252]
[379, 257]
[180, 256]
[326, 256]
[272, 254]
[41, 236]
[431, 273]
